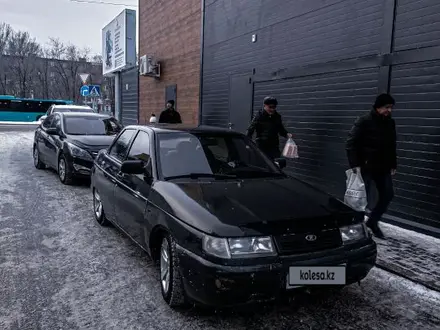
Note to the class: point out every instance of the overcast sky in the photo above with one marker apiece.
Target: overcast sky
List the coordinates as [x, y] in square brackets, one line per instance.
[77, 23]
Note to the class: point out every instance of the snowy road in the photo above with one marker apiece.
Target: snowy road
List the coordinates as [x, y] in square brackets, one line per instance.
[60, 270]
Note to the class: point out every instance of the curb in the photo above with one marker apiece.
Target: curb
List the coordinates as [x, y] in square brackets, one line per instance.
[393, 270]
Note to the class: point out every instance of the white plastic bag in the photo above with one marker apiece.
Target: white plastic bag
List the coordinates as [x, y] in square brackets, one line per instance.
[355, 194]
[290, 149]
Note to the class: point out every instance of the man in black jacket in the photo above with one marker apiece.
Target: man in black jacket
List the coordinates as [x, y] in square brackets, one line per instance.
[170, 115]
[268, 124]
[371, 148]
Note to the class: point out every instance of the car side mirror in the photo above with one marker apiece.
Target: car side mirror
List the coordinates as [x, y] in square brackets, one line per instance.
[52, 131]
[281, 162]
[133, 167]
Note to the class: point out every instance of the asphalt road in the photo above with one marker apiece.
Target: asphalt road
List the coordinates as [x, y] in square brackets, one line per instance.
[61, 270]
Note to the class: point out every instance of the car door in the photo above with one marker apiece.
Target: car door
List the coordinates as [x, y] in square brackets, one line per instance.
[132, 190]
[107, 169]
[54, 142]
[42, 140]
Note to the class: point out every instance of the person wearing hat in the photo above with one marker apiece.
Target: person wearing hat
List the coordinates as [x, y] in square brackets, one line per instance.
[371, 149]
[170, 115]
[268, 124]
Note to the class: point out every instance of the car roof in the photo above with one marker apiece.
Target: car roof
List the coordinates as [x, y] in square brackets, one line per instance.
[71, 106]
[83, 114]
[188, 128]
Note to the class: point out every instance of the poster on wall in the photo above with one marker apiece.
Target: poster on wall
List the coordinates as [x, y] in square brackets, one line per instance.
[119, 43]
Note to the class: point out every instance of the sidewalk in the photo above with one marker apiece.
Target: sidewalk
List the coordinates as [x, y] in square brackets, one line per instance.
[411, 255]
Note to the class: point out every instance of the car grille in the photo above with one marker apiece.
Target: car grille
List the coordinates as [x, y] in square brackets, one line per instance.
[297, 243]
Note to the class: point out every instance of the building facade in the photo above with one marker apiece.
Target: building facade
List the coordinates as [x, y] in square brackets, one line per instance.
[325, 61]
[170, 31]
[46, 78]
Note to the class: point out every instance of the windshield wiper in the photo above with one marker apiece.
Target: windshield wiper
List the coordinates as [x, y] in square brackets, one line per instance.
[201, 175]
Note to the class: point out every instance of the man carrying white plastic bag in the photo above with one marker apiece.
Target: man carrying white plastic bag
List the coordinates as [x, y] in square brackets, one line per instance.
[356, 194]
[371, 151]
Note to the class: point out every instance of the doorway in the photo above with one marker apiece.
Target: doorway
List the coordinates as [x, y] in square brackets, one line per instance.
[240, 102]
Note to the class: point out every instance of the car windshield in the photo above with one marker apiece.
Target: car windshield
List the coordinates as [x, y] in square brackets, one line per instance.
[219, 156]
[85, 109]
[76, 125]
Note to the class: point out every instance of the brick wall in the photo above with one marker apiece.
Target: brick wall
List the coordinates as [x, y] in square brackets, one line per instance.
[170, 31]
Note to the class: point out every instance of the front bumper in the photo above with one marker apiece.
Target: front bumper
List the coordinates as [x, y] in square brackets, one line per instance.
[81, 167]
[222, 286]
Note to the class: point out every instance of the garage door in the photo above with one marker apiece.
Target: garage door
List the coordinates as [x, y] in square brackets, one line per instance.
[320, 110]
[129, 97]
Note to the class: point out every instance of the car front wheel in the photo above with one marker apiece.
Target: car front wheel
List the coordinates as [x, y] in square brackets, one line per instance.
[37, 161]
[170, 278]
[98, 209]
[64, 171]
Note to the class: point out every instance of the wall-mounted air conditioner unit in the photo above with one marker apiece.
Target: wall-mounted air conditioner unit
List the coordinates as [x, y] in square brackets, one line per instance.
[149, 67]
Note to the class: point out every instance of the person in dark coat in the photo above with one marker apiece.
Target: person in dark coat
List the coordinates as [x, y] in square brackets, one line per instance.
[170, 115]
[268, 124]
[371, 149]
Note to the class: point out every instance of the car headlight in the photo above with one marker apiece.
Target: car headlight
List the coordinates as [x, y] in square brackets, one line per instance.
[353, 233]
[78, 152]
[228, 248]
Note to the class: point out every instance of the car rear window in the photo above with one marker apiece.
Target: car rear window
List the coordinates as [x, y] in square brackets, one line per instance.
[73, 110]
[74, 125]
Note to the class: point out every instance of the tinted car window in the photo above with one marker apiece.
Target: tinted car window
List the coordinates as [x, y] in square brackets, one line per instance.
[211, 154]
[84, 125]
[48, 121]
[120, 147]
[140, 149]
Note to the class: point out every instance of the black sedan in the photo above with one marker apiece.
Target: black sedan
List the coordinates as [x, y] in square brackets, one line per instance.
[69, 142]
[226, 225]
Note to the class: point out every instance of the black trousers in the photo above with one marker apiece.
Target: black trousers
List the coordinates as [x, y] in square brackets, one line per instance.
[385, 193]
[271, 152]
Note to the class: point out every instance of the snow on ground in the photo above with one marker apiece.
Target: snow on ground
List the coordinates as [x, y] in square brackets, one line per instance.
[20, 122]
[60, 270]
[429, 243]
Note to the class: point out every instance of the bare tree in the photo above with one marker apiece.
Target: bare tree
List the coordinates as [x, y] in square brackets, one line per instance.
[23, 51]
[69, 60]
[43, 76]
[5, 35]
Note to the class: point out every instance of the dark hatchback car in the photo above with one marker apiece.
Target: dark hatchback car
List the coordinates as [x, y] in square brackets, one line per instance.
[226, 225]
[68, 142]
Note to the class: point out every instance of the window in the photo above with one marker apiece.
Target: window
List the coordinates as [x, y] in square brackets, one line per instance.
[91, 125]
[48, 121]
[52, 74]
[208, 153]
[120, 147]
[140, 148]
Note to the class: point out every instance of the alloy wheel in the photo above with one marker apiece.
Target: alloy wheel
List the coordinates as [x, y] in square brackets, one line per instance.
[97, 205]
[165, 265]
[36, 156]
[62, 169]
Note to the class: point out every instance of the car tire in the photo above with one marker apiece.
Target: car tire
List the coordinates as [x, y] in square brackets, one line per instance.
[37, 161]
[171, 282]
[98, 209]
[64, 171]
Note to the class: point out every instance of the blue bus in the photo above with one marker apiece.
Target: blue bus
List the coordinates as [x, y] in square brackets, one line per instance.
[25, 110]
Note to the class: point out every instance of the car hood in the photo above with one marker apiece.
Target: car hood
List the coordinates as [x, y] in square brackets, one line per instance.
[91, 142]
[253, 207]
